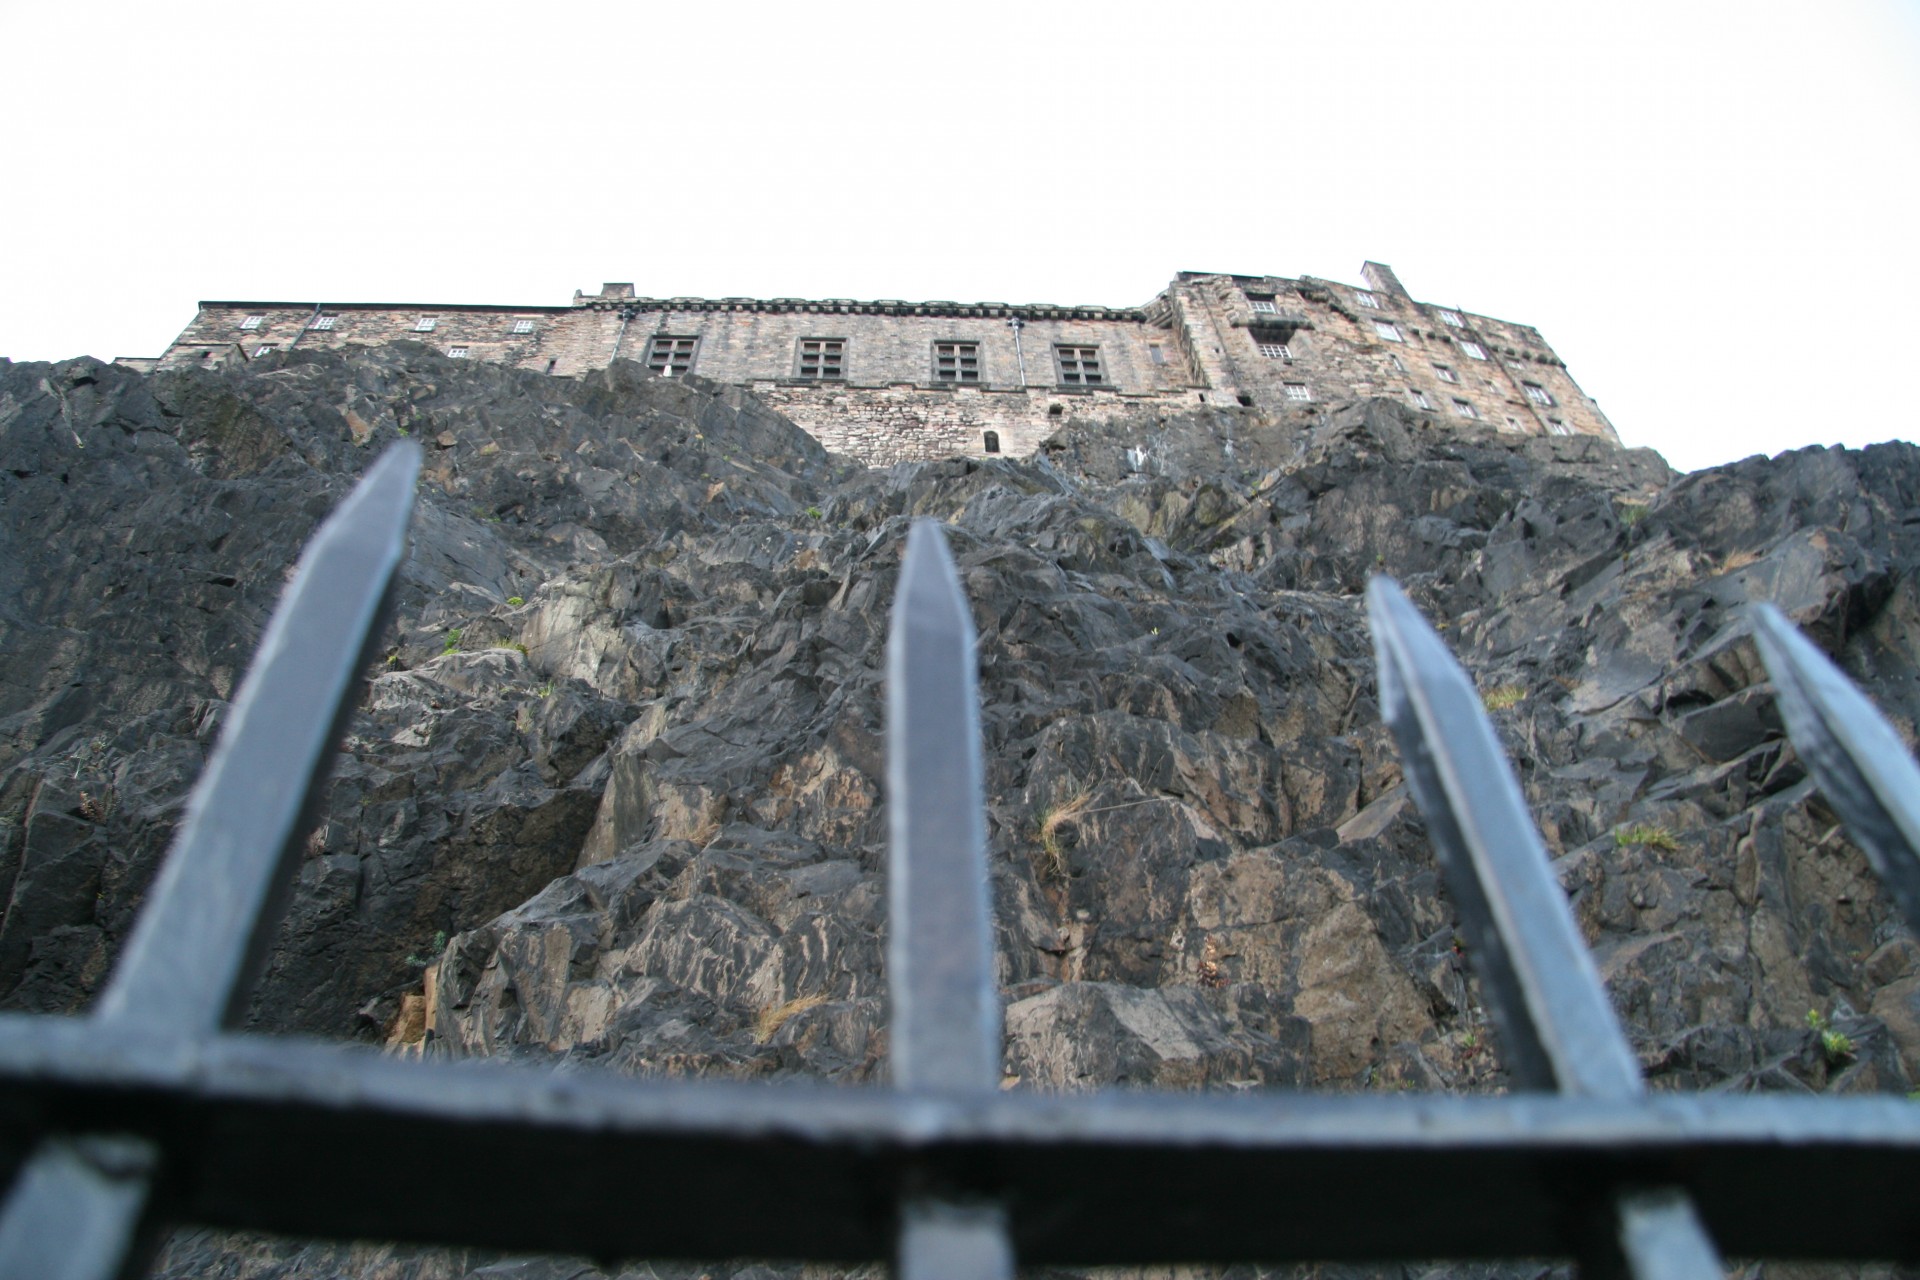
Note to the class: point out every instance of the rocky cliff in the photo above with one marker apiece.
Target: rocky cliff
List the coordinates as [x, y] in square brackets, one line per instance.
[614, 797]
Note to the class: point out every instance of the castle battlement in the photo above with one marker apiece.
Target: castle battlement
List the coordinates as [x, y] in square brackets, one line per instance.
[892, 380]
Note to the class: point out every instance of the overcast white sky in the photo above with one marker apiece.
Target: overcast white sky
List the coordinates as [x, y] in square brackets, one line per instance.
[1708, 208]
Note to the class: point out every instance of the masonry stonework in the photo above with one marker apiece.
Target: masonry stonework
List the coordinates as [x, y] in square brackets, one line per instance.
[892, 381]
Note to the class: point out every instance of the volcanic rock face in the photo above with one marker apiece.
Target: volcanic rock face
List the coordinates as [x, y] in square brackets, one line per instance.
[614, 796]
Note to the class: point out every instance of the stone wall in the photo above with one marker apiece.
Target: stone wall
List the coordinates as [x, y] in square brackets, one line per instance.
[1265, 342]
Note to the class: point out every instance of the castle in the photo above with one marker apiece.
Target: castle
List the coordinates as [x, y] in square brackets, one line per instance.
[891, 381]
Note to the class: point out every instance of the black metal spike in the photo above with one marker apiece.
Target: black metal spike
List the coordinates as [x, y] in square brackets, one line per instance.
[1559, 1030]
[1861, 765]
[203, 933]
[944, 1025]
[189, 965]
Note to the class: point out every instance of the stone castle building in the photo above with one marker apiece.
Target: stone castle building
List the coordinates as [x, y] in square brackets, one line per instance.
[889, 381]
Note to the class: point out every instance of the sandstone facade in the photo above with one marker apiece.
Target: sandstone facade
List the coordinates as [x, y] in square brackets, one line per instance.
[894, 381]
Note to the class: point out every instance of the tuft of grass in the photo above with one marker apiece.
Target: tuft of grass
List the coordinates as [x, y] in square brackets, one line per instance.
[1500, 697]
[1051, 822]
[453, 642]
[1647, 835]
[767, 1023]
[814, 513]
[514, 602]
[433, 952]
[515, 644]
[1836, 1047]
[1632, 513]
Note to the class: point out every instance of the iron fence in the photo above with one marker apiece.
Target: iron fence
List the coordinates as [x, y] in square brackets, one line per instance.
[151, 1111]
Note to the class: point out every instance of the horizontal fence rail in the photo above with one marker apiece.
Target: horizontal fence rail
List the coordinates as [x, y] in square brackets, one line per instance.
[150, 1111]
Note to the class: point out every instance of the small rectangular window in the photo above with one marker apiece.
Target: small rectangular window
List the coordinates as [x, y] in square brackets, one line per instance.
[1079, 366]
[1398, 366]
[956, 362]
[1366, 299]
[1262, 302]
[1299, 391]
[523, 326]
[262, 349]
[668, 355]
[823, 358]
[1513, 424]
[425, 324]
[1446, 374]
[1537, 393]
[1453, 318]
[457, 353]
[322, 322]
[1474, 350]
[1419, 398]
[1464, 409]
[253, 322]
[1391, 332]
[1156, 353]
[1558, 427]
[1276, 350]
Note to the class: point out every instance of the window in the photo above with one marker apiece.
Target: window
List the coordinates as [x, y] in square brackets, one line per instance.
[322, 322]
[1079, 366]
[262, 350]
[823, 357]
[1513, 424]
[1391, 332]
[1275, 350]
[1262, 302]
[990, 441]
[1537, 393]
[1558, 427]
[523, 326]
[1397, 365]
[1474, 350]
[253, 322]
[1420, 400]
[668, 355]
[1156, 353]
[1446, 374]
[957, 362]
[1299, 391]
[457, 353]
[425, 324]
[1366, 299]
[1453, 318]
[1464, 409]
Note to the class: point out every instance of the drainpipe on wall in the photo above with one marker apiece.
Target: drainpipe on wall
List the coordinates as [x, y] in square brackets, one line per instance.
[626, 317]
[308, 325]
[1017, 324]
